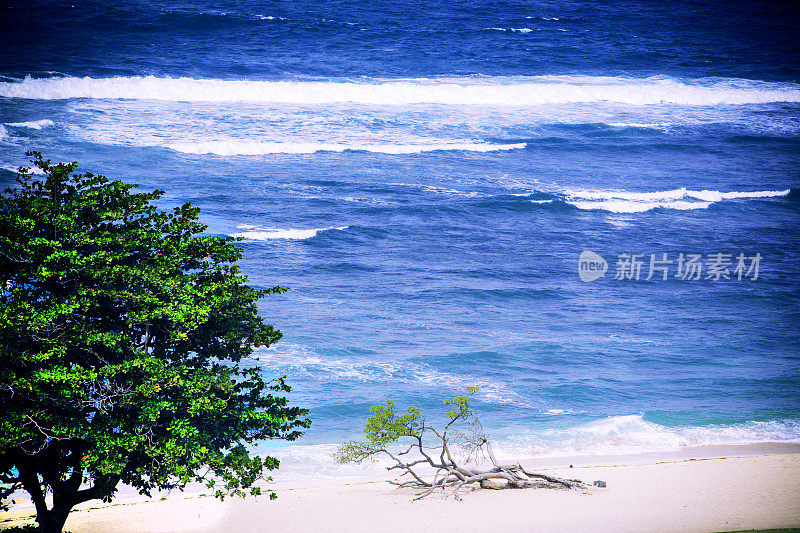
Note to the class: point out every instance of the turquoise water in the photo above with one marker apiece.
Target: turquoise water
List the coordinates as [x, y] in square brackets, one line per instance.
[425, 179]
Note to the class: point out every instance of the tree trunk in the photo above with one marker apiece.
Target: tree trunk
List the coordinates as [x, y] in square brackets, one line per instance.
[53, 520]
[50, 520]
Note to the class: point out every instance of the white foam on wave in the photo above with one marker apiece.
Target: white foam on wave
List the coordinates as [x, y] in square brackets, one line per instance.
[632, 434]
[31, 170]
[611, 436]
[512, 30]
[639, 202]
[503, 91]
[256, 233]
[33, 124]
[315, 461]
[716, 196]
[654, 125]
[622, 206]
[229, 148]
[438, 190]
[302, 360]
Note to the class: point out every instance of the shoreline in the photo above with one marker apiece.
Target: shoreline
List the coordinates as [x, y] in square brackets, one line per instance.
[726, 488]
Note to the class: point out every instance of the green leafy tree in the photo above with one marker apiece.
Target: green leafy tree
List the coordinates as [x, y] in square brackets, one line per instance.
[439, 458]
[124, 342]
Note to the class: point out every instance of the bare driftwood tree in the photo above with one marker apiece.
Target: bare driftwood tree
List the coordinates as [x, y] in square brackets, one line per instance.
[438, 459]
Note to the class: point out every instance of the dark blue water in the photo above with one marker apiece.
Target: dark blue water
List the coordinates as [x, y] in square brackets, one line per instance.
[247, 39]
[424, 177]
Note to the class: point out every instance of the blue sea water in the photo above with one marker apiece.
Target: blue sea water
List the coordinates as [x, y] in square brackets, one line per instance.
[424, 176]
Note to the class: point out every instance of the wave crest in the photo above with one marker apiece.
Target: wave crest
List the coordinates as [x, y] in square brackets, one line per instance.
[632, 434]
[515, 91]
[229, 148]
[639, 202]
[256, 233]
[33, 124]
[611, 436]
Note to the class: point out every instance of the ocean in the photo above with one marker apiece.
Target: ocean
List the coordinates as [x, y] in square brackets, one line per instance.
[425, 177]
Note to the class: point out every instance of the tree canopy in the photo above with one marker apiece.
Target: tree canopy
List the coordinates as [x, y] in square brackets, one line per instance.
[125, 332]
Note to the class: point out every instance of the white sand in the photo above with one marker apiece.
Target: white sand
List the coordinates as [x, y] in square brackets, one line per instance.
[711, 494]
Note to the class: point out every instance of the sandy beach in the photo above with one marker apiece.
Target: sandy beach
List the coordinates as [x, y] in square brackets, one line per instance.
[730, 493]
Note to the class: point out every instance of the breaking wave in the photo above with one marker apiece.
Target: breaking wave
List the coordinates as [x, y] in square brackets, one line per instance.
[229, 148]
[31, 170]
[256, 233]
[612, 436]
[33, 124]
[510, 90]
[632, 434]
[638, 202]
